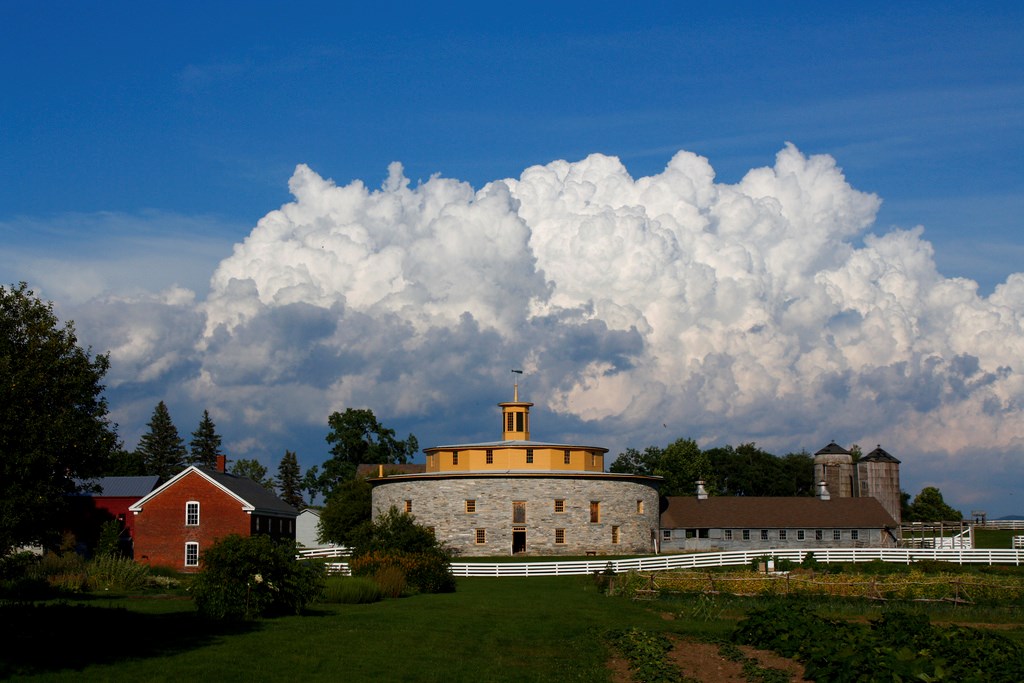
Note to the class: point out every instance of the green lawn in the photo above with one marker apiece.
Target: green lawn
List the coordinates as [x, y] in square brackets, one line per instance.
[510, 629]
[999, 539]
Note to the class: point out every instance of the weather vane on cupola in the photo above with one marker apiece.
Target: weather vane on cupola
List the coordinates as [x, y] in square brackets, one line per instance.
[515, 387]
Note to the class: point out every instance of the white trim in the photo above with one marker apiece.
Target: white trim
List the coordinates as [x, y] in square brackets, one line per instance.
[139, 504]
[196, 545]
[187, 504]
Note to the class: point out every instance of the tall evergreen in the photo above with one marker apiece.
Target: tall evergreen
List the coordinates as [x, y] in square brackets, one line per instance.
[161, 449]
[289, 480]
[205, 444]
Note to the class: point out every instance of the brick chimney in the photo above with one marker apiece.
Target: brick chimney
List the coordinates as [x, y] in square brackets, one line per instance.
[222, 462]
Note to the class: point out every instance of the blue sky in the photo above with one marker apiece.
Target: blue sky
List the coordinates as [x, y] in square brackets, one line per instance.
[142, 145]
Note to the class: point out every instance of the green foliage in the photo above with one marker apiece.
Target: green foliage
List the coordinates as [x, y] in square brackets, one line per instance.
[647, 654]
[395, 540]
[743, 471]
[111, 572]
[109, 543]
[161, 448]
[900, 646]
[252, 469]
[53, 418]
[390, 579]
[253, 577]
[19, 580]
[356, 437]
[65, 572]
[350, 590]
[928, 506]
[205, 445]
[289, 480]
[348, 508]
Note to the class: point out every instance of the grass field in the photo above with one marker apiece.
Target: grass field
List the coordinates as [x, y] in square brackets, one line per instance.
[509, 629]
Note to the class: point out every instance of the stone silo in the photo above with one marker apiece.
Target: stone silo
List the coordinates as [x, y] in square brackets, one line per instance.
[878, 474]
[833, 464]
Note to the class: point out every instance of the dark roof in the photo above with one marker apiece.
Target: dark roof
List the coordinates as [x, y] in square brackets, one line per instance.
[254, 493]
[833, 449]
[120, 487]
[879, 455]
[365, 470]
[750, 512]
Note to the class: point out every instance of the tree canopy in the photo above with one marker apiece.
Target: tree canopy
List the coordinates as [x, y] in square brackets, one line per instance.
[205, 445]
[289, 480]
[357, 437]
[347, 509]
[254, 470]
[161, 448]
[53, 417]
[742, 471]
[928, 506]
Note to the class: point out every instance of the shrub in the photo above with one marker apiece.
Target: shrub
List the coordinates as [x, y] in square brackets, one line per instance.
[249, 578]
[63, 571]
[19, 579]
[396, 540]
[390, 580]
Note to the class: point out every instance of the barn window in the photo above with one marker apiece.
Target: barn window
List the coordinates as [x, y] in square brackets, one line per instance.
[519, 422]
[746, 534]
[800, 535]
[819, 535]
[192, 554]
[567, 456]
[837, 535]
[490, 456]
[764, 534]
[559, 505]
[854, 534]
[192, 513]
[509, 421]
[529, 455]
[470, 505]
[639, 507]
[559, 536]
[519, 512]
[595, 511]
[481, 536]
[782, 534]
[666, 534]
[728, 534]
[455, 457]
[615, 534]
[408, 506]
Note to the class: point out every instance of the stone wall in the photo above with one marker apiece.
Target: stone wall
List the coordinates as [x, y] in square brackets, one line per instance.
[440, 503]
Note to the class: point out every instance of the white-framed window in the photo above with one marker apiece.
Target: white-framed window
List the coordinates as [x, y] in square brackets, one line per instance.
[666, 534]
[192, 554]
[192, 513]
[854, 534]
[728, 534]
[782, 534]
[746, 534]
[837, 535]
[764, 534]
[819, 535]
[800, 535]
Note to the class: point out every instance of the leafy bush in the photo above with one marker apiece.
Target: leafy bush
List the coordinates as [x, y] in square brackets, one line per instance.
[248, 578]
[350, 591]
[19, 579]
[395, 540]
[65, 572]
[647, 654]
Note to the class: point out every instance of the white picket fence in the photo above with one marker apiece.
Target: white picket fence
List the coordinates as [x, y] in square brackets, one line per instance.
[725, 559]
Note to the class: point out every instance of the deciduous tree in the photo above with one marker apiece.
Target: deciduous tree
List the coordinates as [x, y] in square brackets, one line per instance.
[357, 437]
[53, 417]
[928, 506]
[252, 469]
[347, 509]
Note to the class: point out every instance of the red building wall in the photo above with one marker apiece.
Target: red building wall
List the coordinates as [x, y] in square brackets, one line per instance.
[160, 529]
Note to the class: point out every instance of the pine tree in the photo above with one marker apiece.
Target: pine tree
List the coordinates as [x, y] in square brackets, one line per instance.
[289, 480]
[205, 444]
[162, 450]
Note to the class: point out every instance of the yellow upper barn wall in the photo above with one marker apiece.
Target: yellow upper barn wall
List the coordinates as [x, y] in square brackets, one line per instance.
[515, 451]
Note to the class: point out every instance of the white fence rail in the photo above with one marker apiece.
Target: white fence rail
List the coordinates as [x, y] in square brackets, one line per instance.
[734, 558]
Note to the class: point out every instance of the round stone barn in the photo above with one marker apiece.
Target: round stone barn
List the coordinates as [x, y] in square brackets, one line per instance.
[518, 496]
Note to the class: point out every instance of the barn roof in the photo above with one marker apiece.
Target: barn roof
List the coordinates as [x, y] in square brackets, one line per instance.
[736, 512]
[119, 487]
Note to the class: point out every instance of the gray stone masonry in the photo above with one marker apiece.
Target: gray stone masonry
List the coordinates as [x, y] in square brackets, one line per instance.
[440, 503]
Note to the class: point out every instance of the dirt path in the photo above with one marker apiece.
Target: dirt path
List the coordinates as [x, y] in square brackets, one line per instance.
[700, 661]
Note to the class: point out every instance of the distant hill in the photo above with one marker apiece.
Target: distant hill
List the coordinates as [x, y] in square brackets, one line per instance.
[1011, 517]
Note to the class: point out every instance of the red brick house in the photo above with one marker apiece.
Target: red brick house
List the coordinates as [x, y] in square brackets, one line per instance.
[177, 521]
